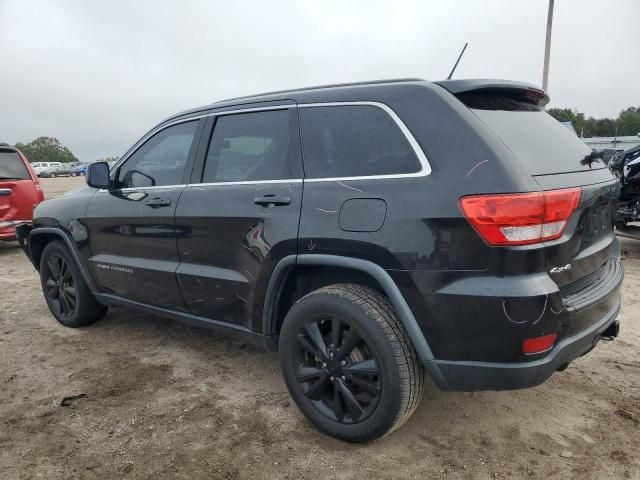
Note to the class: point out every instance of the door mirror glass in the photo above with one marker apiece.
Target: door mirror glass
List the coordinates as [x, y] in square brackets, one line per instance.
[98, 175]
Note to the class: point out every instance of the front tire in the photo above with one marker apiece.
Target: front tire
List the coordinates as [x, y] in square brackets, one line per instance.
[349, 364]
[65, 291]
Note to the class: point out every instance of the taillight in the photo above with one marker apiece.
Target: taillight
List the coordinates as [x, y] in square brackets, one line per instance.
[39, 193]
[521, 218]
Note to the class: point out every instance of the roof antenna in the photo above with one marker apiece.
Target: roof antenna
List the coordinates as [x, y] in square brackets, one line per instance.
[457, 61]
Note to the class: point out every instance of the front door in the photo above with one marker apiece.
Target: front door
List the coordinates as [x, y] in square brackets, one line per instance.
[132, 231]
[241, 213]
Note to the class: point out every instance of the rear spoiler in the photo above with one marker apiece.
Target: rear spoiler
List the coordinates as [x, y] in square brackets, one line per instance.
[516, 90]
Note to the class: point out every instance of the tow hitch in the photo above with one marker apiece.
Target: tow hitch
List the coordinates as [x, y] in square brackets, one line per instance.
[611, 332]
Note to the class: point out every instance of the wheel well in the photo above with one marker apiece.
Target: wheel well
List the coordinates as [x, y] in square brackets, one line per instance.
[303, 279]
[37, 244]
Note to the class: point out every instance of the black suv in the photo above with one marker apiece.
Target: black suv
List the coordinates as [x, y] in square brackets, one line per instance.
[369, 232]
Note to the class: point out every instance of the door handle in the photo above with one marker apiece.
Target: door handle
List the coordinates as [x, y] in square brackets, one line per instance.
[272, 200]
[158, 202]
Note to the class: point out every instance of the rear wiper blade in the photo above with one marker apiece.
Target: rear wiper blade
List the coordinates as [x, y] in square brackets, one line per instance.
[591, 157]
[10, 178]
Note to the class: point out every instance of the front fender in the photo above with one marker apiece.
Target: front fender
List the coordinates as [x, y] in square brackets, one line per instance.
[37, 240]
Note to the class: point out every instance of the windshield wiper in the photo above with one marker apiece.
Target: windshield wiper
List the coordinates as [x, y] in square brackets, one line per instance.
[591, 157]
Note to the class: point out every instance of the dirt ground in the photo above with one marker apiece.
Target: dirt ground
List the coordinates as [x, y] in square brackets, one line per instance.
[162, 400]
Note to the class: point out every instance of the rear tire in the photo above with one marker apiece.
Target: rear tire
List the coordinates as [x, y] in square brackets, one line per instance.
[65, 291]
[349, 364]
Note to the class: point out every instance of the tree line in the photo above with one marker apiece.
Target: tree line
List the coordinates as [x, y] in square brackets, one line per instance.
[627, 123]
[49, 149]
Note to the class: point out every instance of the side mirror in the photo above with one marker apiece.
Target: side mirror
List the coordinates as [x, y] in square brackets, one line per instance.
[98, 175]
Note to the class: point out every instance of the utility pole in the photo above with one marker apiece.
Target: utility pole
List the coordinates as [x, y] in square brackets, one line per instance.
[547, 48]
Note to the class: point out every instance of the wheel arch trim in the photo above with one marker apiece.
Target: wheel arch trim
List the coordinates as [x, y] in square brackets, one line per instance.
[379, 274]
[70, 245]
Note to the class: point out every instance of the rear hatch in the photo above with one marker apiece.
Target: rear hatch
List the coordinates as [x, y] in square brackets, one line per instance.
[18, 193]
[556, 158]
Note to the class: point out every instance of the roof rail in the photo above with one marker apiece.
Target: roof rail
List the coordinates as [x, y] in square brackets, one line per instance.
[321, 87]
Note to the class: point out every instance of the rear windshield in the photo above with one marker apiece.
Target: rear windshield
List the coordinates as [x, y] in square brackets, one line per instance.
[541, 143]
[11, 167]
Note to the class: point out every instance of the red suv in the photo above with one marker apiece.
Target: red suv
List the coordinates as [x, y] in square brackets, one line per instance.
[20, 191]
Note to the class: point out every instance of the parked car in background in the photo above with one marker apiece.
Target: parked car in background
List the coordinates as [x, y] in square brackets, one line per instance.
[40, 167]
[20, 191]
[79, 169]
[60, 170]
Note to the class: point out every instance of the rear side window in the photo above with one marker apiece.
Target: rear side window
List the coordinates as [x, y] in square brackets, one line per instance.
[249, 147]
[12, 167]
[539, 141]
[354, 141]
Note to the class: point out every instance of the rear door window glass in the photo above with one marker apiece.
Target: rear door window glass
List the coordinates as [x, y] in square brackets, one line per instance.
[12, 167]
[252, 146]
[353, 141]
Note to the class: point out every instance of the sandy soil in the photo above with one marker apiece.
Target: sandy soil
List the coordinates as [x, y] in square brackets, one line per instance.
[162, 400]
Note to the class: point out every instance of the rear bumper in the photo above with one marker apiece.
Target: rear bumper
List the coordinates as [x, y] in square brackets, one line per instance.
[8, 228]
[472, 376]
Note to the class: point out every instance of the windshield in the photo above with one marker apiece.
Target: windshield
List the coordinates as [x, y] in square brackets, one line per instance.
[11, 167]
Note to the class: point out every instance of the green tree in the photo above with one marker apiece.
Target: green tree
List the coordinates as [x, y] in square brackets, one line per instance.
[629, 121]
[46, 149]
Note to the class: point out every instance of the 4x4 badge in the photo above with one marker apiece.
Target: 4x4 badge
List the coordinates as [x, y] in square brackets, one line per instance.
[560, 269]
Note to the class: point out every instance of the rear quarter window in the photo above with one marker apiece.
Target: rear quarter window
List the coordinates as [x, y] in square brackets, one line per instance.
[353, 141]
[12, 167]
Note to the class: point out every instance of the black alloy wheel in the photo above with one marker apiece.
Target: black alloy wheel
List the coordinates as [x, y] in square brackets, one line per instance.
[348, 362]
[337, 370]
[67, 294]
[60, 287]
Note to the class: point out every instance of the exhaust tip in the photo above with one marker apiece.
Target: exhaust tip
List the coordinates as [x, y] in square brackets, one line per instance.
[611, 332]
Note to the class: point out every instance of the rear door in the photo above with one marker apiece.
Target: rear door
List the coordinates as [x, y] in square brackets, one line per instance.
[132, 231]
[240, 213]
[556, 158]
[18, 194]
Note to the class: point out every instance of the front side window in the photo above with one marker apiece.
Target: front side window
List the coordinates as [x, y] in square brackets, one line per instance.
[251, 147]
[354, 141]
[161, 160]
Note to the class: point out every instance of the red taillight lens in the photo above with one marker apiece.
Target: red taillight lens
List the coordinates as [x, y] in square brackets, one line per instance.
[39, 193]
[535, 345]
[521, 218]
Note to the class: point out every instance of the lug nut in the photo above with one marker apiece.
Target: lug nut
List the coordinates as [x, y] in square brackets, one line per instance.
[344, 379]
[330, 354]
[331, 378]
[324, 365]
[343, 363]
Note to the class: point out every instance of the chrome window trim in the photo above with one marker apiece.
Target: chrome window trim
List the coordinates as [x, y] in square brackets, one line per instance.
[424, 162]
[247, 182]
[252, 109]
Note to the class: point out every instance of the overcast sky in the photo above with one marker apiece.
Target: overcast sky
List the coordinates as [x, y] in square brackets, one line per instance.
[98, 74]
